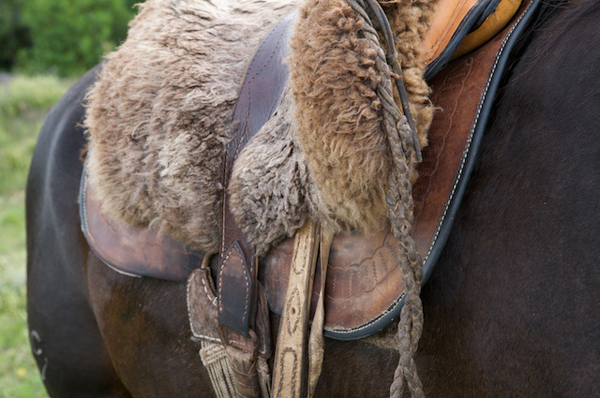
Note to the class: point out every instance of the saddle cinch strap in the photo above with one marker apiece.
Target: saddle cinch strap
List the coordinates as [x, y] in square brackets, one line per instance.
[448, 161]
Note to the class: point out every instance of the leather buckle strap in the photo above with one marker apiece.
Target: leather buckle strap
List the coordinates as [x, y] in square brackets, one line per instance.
[238, 291]
[259, 96]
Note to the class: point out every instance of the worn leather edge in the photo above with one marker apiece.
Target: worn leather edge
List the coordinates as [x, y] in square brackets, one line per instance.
[474, 141]
[86, 231]
[375, 325]
[189, 259]
[479, 11]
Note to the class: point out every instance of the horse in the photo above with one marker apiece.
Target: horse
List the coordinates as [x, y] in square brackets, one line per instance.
[511, 308]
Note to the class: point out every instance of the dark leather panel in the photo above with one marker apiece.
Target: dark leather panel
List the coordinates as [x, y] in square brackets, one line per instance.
[236, 284]
[138, 251]
[259, 95]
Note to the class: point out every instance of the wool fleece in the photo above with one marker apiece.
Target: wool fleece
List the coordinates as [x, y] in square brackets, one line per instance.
[160, 115]
[339, 112]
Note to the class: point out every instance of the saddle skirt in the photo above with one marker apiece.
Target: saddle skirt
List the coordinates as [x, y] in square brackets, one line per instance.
[364, 285]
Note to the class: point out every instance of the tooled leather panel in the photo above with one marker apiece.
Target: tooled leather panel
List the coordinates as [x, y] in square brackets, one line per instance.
[456, 91]
[464, 91]
[363, 278]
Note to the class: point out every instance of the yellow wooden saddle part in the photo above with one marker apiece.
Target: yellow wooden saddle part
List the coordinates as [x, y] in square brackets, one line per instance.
[451, 15]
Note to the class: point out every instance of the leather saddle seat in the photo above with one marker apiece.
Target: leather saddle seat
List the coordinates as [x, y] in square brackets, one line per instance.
[364, 286]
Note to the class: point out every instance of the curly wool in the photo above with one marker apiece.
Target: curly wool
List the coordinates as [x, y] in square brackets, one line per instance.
[159, 118]
[159, 115]
[338, 112]
[270, 182]
[410, 21]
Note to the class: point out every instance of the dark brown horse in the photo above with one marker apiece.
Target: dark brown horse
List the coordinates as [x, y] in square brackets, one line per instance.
[511, 310]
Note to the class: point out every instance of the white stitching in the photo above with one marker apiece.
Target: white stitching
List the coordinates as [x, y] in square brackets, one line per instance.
[213, 300]
[223, 264]
[474, 126]
[463, 161]
[372, 321]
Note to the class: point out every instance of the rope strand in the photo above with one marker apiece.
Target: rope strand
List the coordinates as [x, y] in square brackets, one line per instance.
[399, 198]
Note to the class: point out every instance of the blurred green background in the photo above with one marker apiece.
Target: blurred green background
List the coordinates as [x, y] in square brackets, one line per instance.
[45, 45]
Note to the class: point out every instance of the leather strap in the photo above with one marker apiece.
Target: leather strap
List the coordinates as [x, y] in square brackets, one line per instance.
[259, 96]
[261, 89]
[291, 356]
[316, 344]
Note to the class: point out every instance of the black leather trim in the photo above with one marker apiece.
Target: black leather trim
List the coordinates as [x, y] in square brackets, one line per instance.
[503, 58]
[472, 150]
[490, 8]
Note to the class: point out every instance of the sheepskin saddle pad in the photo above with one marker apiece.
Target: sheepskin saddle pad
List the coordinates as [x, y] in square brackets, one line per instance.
[160, 116]
[160, 123]
[159, 119]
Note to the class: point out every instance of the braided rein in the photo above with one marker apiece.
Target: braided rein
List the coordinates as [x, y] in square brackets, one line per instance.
[403, 141]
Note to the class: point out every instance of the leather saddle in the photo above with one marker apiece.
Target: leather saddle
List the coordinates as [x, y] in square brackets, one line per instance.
[364, 287]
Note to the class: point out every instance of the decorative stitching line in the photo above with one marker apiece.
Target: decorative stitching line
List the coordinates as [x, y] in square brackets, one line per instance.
[213, 300]
[445, 136]
[223, 264]
[474, 126]
[372, 321]
[221, 277]
[189, 306]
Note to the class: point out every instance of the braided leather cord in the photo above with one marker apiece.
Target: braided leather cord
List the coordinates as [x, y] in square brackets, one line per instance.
[401, 137]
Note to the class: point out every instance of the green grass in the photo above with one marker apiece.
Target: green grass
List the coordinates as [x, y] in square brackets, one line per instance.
[24, 102]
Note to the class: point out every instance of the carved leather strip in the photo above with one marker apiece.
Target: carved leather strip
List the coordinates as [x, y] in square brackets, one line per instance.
[290, 355]
[259, 95]
[316, 341]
